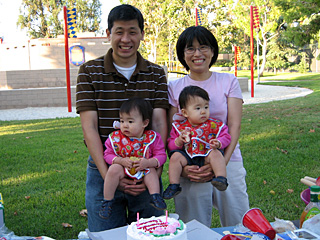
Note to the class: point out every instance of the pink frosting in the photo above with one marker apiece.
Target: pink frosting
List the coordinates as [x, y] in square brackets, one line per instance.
[171, 229]
[159, 231]
[176, 224]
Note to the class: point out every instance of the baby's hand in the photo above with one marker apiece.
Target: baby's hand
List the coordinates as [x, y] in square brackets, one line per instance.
[127, 163]
[215, 144]
[141, 165]
[185, 136]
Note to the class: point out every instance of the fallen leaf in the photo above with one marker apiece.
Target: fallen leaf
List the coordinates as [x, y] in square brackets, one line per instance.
[264, 182]
[252, 138]
[75, 151]
[58, 170]
[272, 192]
[289, 190]
[282, 150]
[66, 225]
[84, 212]
[27, 197]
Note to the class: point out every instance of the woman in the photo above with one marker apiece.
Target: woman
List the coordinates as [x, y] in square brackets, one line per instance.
[197, 50]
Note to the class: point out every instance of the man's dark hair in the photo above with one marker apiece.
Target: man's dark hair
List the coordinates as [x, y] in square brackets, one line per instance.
[189, 92]
[125, 12]
[142, 106]
[204, 37]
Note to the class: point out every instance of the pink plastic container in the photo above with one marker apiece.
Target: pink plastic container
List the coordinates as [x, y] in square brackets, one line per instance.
[305, 196]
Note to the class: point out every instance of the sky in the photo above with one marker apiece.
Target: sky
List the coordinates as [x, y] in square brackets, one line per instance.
[9, 11]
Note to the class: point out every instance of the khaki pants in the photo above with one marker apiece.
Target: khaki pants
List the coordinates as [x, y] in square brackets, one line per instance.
[197, 199]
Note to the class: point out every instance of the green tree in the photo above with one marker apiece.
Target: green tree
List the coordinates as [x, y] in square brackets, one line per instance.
[303, 20]
[44, 18]
[276, 56]
[229, 21]
[221, 22]
[270, 26]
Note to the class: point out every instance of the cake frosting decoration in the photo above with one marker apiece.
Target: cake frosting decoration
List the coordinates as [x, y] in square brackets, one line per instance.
[159, 228]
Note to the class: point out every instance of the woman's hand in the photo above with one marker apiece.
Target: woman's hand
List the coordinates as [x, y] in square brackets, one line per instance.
[132, 187]
[198, 174]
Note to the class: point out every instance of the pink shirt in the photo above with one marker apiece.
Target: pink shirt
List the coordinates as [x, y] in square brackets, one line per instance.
[220, 86]
[156, 150]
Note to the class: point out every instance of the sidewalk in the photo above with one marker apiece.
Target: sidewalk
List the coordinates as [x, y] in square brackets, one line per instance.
[262, 94]
[266, 93]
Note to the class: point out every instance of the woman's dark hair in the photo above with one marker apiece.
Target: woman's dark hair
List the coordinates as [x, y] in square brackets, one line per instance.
[204, 37]
[142, 106]
[191, 91]
[125, 12]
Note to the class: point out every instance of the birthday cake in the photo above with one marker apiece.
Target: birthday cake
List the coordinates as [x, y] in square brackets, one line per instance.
[157, 228]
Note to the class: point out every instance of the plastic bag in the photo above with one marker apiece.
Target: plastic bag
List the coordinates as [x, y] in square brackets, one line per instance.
[6, 234]
[241, 229]
[245, 236]
[281, 225]
[83, 235]
[312, 224]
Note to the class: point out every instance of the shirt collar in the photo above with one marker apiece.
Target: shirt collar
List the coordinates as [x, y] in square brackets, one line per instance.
[141, 63]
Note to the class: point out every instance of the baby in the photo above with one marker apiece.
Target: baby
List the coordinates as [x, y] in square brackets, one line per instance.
[135, 152]
[197, 139]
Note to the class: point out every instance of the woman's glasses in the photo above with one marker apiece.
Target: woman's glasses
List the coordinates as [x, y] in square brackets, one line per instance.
[192, 50]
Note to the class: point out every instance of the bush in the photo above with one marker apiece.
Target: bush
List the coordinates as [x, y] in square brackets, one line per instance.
[224, 63]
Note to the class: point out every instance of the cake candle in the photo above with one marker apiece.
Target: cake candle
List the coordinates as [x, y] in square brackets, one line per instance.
[166, 216]
[138, 219]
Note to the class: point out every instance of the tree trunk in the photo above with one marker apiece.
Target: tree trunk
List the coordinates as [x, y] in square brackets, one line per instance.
[264, 55]
[155, 50]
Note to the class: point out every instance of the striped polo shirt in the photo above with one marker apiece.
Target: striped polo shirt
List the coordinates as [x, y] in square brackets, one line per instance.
[101, 88]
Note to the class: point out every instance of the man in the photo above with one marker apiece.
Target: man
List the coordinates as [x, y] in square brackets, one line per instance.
[103, 85]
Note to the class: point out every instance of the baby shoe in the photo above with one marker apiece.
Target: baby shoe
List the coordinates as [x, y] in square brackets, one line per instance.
[172, 191]
[220, 183]
[157, 201]
[106, 208]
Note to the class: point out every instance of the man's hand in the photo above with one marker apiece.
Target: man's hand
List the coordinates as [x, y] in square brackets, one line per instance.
[132, 187]
[198, 174]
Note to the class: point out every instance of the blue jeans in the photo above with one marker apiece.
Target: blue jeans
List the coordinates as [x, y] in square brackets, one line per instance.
[125, 208]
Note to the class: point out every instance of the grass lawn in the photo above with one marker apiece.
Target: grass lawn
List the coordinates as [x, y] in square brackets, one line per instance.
[43, 163]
